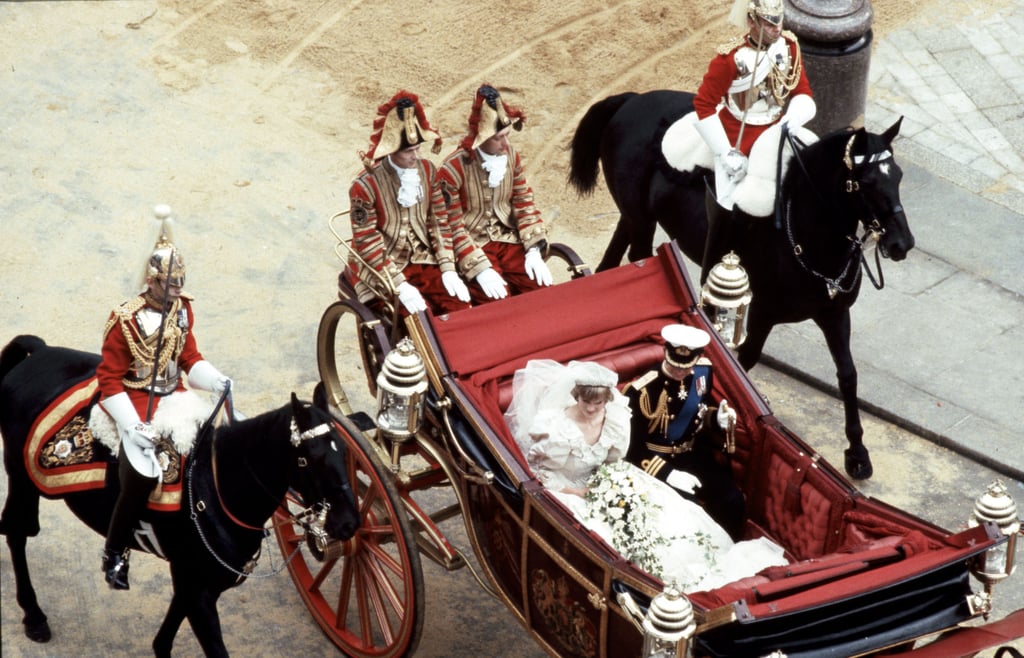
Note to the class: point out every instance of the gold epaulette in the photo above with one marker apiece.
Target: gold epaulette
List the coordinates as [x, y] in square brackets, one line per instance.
[789, 36]
[731, 45]
[128, 308]
[643, 380]
[123, 312]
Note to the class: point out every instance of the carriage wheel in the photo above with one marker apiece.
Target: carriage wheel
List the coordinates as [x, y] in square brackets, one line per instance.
[366, 593]
[337, 340]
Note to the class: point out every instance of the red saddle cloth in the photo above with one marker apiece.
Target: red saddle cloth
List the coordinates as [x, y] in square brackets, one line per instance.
[62, 455]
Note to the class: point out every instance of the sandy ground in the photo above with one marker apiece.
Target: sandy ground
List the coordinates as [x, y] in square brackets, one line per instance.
[246, 116]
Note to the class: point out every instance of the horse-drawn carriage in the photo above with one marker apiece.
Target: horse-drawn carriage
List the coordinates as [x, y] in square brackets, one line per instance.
[863, 576]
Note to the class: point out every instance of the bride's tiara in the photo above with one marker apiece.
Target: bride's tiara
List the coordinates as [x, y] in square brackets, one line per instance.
[588, 373]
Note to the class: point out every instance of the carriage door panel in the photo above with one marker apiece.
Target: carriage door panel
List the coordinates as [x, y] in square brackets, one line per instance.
[566, 580]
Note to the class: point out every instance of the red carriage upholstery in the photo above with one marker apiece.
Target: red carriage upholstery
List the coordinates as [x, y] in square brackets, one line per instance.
[606, 311]
[613, 317]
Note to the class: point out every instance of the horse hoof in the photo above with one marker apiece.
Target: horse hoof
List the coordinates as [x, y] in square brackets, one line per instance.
[38, 632]
[858, 463]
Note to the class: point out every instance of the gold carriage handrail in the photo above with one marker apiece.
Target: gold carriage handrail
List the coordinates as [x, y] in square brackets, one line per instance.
[391, 305]
[351, 254]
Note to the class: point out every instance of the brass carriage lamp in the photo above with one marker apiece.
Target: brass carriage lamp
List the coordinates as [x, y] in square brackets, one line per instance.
[997, 506]
[401, 385]
[725, 297]
[669, 625]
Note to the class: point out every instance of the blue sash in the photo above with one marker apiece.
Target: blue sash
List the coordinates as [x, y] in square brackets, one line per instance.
[681, 423]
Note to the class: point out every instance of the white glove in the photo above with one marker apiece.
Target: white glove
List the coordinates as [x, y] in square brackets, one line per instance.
[683, 481]
[733, 162]
[207, 378]
[801, 109]
[492, 284]
[141, 435]
[536, 268]
[137, 438]
[123, 412]
[455, 286]
[411, 298]
[726, 416]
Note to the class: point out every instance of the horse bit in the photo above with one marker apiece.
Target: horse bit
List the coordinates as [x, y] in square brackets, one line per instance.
[873, 231]
[309, 519]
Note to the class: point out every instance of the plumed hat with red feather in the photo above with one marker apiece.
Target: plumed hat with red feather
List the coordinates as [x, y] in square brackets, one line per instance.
[400, 123]
[489, 116]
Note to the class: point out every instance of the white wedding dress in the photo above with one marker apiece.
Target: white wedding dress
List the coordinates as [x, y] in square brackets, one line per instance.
[691, 549]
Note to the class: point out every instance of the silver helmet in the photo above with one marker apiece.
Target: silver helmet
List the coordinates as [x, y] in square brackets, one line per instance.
[165, 264]
[768, 10]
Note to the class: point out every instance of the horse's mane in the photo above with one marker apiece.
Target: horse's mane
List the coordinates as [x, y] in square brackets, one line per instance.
[820, 160]
[262, 428]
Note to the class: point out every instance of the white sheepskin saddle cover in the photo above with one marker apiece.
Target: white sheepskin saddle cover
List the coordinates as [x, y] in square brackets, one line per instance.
[178, 417]
[685, 149]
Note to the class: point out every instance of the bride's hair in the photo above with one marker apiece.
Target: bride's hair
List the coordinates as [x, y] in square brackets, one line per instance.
[589, 393]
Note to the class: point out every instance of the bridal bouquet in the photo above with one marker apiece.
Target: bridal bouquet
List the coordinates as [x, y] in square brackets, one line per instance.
[616, 498]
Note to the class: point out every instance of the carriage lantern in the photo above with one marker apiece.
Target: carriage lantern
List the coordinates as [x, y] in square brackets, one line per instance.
[401, 384]
[669, 625]
[997, 506]
[725, 297]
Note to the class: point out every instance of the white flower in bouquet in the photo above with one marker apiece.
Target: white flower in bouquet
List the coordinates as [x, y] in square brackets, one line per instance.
[616, 499]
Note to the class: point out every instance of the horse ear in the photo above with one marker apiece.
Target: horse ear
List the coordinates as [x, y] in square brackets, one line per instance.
[893, 130]
[296, 405]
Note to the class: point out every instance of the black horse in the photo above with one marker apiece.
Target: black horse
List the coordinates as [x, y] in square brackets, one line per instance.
[235, 479]
[805, 263]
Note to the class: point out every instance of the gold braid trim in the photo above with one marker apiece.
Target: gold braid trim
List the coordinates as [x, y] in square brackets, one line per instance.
[659, 416]
[783, 83]
[653, 465]
[143, 349]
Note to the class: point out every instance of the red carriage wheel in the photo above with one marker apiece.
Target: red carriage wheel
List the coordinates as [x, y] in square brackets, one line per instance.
[366, 593]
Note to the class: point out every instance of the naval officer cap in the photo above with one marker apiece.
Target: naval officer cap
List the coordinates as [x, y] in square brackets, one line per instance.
[684, 344]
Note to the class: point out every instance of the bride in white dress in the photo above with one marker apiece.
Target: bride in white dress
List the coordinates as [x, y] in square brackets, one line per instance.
[573, 426]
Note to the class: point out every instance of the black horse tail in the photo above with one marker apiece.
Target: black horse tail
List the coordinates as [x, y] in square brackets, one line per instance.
[586, 142]
[17, 351]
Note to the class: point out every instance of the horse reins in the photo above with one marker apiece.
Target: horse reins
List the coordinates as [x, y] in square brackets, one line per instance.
[875, 229]
[195, 508]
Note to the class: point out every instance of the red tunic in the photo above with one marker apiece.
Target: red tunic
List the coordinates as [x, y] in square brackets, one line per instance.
[503, 220]
[721, 73]
[117, 362]
[390, 238]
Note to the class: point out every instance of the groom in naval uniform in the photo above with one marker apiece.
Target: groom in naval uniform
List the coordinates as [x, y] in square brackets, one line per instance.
[671, 437]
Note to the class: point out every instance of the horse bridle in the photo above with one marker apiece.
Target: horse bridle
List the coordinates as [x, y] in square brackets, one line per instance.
[873, 230]
[302, 518]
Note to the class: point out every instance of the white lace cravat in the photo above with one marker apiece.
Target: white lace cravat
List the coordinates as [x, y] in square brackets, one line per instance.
[410, 192]
[495, 166]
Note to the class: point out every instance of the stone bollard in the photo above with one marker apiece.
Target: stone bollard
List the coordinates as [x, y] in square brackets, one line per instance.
[835, 39]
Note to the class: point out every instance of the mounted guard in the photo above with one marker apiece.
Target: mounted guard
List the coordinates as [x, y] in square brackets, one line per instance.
[148, 343]
[755, 81]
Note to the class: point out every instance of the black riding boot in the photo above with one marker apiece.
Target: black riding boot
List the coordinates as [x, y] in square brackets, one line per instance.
[131, 502]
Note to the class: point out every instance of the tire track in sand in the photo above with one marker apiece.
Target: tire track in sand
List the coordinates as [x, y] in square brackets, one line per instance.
[547, 35]
[561, 139]
[306, 41]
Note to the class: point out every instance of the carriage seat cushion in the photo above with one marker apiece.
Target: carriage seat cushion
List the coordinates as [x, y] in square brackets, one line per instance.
[773, 583]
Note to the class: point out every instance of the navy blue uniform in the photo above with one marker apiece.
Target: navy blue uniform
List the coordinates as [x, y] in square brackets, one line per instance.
[673, 428]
